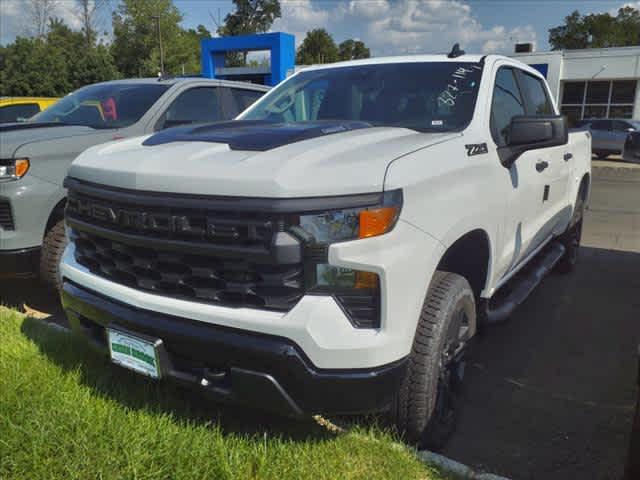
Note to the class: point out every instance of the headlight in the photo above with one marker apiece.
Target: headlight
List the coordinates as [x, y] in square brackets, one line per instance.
[13, 168]
[356, 291]
[350, 224]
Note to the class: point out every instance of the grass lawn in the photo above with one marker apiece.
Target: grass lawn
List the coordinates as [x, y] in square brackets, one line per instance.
[66, 412]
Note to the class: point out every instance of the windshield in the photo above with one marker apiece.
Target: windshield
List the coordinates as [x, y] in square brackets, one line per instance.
[434, 96]
[107, 105]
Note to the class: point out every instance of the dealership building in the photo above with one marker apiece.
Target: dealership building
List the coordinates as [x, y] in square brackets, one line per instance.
[596, 82]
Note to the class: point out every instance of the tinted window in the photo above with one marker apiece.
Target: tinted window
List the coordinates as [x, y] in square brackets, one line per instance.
[16, 113]
[601, 125]
[506, 104]
[197, 105]
[538, 102]
[238, 100]
[104, 105]
[623, 91]
[573, 92]
[433, 96]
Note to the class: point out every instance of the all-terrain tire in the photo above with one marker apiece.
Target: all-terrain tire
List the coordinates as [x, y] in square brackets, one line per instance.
[571, 238]
[421, 412]
[53, 246]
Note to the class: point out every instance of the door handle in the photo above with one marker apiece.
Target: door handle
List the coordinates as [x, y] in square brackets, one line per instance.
[568, 156]
[542, 165]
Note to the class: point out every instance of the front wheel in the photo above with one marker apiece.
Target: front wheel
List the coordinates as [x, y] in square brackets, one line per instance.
[425, 406]
[571, 238]
[53, 247]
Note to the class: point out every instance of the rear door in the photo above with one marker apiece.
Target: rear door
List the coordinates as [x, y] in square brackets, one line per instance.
[601, 136]
[553, 165]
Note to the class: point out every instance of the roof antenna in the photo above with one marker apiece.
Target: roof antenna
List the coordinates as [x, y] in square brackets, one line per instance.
[455, 51]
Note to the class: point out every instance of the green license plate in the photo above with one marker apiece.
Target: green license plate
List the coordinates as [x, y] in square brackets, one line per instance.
[134, 353]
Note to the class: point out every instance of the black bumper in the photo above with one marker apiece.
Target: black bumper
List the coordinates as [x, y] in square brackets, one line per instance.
[262, 371]
[19, 263]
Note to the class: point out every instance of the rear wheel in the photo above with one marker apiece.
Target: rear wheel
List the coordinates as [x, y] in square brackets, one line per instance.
[425, 406]
[53, 246]
[601, 155]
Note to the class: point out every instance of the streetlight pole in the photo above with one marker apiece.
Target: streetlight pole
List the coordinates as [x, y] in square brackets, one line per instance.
[157, 19]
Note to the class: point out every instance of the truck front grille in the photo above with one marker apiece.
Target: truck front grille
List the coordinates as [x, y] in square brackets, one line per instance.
[6, 218]
[231, 282]
[201, 250]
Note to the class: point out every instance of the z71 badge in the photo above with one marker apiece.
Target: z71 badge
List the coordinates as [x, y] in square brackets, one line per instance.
[476, 149]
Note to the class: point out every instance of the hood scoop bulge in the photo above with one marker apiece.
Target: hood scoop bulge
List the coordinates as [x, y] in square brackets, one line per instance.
[254, 135]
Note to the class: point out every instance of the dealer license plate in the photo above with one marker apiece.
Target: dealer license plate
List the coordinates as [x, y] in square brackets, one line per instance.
[134, 353]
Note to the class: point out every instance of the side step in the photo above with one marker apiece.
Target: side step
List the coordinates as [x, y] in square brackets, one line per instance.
[504, 302]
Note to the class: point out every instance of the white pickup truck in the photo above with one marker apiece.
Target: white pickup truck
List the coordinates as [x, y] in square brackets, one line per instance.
[335, 248]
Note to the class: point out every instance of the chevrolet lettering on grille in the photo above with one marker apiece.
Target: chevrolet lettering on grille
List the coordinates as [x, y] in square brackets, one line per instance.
[201, 226]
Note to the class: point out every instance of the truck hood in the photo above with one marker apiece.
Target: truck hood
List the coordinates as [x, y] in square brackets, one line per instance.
[14, 135]
[331, 160]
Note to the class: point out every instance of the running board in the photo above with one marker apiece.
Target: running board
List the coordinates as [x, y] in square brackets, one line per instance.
[513, 293]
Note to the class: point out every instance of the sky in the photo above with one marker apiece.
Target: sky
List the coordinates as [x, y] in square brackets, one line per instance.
[388, 27]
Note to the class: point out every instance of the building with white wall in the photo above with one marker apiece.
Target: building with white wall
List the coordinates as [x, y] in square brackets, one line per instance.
[596, 82]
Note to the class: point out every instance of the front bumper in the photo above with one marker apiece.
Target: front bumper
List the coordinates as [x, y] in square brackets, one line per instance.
[19, 263]
[263, 371]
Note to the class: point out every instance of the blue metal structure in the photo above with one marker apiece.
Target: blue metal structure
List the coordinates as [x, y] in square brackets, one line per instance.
[281, 46]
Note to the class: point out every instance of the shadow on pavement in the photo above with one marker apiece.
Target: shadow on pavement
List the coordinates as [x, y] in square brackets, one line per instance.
[550, 393]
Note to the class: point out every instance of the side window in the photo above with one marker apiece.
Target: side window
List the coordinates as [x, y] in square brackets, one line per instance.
[601, 125]
[537, 100]
[506, 104]
[197, 105]
[17, 113]
[238, 99]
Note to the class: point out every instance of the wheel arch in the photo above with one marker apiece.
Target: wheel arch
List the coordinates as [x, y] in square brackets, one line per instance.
[470, 257]
[57, 214]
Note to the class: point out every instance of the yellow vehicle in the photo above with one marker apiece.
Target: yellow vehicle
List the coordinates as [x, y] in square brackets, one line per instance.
[17, 109]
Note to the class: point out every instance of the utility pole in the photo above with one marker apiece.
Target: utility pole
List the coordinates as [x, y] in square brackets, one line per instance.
[157, 19]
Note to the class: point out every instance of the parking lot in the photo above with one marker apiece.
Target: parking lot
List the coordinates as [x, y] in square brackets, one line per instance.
[549, 394]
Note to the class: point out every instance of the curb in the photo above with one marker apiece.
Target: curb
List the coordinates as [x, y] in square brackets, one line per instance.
[455, 468]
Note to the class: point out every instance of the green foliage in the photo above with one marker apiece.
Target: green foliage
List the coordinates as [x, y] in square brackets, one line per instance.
[317, 47]
[55, 65]
[136, 48]
[68, 413]
[353, 50]
[598, 30]
[250, 16]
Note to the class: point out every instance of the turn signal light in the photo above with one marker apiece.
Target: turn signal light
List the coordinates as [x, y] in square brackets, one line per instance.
[22, 166]
[377, 221]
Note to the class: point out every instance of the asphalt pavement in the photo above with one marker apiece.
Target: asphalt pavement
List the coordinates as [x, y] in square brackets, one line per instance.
[549, 394]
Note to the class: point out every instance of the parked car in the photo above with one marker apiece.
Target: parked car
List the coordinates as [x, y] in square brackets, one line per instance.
[19, 109]
[631, 151]
[34, 156]
[608, 134]
[334, 249]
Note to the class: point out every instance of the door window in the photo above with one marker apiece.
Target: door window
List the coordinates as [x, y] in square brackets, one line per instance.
[197, 105]
[538, 102]
[237, 100]
[601, 125]
[17, 113]
[507, 103]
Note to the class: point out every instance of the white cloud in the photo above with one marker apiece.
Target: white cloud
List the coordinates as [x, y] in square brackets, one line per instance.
[391, 27]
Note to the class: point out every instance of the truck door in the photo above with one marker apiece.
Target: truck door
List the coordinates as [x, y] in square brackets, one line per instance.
[522, 183]
[553, 165]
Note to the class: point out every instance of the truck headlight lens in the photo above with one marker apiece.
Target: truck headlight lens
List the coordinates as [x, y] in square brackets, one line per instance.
[13, 168]
[356, 291]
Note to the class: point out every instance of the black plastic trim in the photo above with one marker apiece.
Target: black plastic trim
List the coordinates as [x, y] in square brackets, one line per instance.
[24, 262]
[226, 203]
[260, 370]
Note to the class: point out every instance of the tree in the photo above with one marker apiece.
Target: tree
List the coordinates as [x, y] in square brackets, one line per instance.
[250, 16]
[353, 50]
[317, 47]
[38, 13]
[135, 46]
[88, 12]
[598, 30]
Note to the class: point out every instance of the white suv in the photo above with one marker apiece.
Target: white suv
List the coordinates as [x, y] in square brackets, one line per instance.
[335, 249]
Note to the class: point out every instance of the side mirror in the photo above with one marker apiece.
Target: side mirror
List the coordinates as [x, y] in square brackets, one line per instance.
[531, 133]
